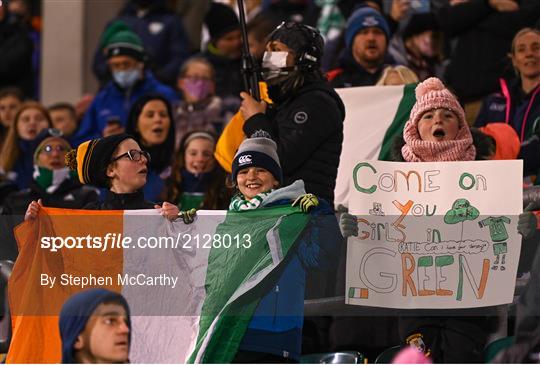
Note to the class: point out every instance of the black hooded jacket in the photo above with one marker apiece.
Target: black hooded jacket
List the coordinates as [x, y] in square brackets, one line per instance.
[308, 130]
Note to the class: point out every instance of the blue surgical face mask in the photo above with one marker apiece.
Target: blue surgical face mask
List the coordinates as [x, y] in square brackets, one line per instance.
[126, 79]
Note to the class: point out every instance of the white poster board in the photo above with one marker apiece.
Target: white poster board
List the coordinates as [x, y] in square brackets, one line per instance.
[434, 235]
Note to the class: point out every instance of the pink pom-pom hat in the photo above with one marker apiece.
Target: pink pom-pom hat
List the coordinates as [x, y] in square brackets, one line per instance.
[432, 94]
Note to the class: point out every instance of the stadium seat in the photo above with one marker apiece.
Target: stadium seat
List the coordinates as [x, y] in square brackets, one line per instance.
[341, 357]
[495, 347]
[388, 355]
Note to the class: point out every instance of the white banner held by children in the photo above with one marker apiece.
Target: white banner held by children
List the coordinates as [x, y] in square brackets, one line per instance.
[434, 235]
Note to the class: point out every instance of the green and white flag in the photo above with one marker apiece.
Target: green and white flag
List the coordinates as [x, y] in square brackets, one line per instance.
[375, 116]
[234, 276]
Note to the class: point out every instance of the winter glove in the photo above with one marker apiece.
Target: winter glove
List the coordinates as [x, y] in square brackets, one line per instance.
[527, 222]
[306, 202]
[188, 216]
[348, 225]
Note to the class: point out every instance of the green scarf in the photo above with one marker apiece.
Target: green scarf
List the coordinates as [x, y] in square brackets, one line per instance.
[238, 203]
[49, 180]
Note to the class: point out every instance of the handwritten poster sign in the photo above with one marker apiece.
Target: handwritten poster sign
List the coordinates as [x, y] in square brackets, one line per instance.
[434, 235]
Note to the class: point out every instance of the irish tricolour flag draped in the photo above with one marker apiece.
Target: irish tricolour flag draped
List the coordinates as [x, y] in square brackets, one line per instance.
[192, 289]
[375, 116]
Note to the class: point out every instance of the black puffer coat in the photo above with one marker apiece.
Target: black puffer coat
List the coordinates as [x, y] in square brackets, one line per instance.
[308, 130]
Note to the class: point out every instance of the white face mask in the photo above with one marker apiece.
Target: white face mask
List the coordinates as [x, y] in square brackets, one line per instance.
[273, 64]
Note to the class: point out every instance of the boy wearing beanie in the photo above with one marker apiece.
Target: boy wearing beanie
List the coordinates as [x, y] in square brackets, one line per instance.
[367, 35]
[95, 327]
[126, 60]
[274, 333]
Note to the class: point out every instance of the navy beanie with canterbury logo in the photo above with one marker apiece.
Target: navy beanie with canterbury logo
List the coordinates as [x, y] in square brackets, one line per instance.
[257, 152]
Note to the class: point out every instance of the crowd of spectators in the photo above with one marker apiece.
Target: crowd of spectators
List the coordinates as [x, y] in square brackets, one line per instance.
[170, 76]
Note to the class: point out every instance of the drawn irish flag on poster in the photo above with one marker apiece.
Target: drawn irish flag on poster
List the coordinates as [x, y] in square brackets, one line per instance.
[182, 281]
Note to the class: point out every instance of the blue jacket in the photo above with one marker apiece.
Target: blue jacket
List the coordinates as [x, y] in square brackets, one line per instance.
[522, 111]
[24, 166]
[164, 39]
[276, 325]
[114, 103]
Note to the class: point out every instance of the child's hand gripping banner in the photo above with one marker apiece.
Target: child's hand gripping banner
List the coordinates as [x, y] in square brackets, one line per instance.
[434, 235]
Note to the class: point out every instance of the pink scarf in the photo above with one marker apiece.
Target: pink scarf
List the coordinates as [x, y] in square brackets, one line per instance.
[417, 150]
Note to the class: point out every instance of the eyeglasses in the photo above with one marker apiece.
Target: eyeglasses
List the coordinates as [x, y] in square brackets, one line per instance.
[48, 149]
[133, 155]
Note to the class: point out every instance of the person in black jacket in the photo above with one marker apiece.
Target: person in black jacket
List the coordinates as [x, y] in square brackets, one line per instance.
[224, 52]
[306, 119]
[16, 50]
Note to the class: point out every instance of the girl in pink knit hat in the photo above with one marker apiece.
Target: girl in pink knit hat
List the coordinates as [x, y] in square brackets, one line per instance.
[437, 129]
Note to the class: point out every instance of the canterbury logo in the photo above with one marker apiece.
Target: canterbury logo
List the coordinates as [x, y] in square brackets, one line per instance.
[370, 21]
[244, 159]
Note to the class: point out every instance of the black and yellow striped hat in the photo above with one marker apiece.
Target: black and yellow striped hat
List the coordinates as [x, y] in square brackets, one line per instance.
[92, 158]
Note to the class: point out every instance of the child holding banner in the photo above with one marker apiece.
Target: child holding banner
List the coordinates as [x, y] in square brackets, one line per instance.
[117, 163]
[274, 333]
[437, 131]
